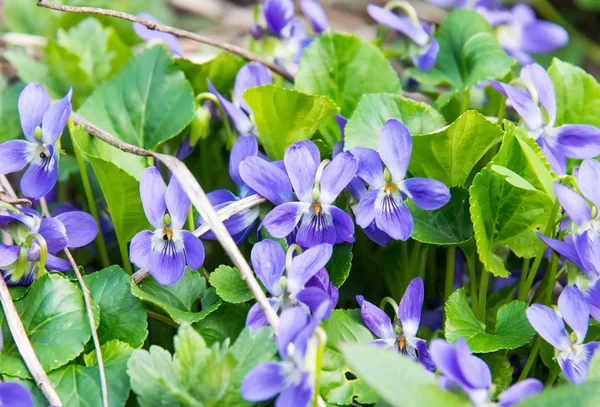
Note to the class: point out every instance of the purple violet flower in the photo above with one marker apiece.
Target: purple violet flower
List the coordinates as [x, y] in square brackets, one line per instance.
[402, 335]
[39, 149]
[278, 15]
[572, 355]
[569, 140]
[316, 185]
[166, 250]
[315, 15]
[250, 75]
[384, 202]
[149, 35]
[460, 369]
[269, 263]
[424, 47]
[15, 395]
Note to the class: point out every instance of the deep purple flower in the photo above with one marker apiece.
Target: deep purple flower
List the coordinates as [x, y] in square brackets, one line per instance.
[15, 395]
[278, 15]
[424, 47]
[39, 148]
[384, 203]
[69, 229]
[459, 368]
[520, 33]
[292, 378]
[402, 335]
[269, 263]
[316, 185]
[251, 75]
[152, 35]
[166, 250]
[569, 140]
[572, 355]
[241, 224]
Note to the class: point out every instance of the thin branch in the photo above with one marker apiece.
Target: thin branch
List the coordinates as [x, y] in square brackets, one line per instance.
[199, 199]
[234, 49]
[14, 201]
[162, 318]
[90, 313]
[8, 189]
[223, 214]
[24, 40]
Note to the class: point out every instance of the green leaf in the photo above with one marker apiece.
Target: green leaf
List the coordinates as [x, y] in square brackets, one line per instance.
[585, 394]
[340, 264]
[469, 53]
[512, 326]
[146, 103]
[577, 94]
[451, 224]
[339, 385]
[122, 314]
[54, 317]
[10, 124]
[345, 325]
[345, 67]
[284, 116]
[221, 70]
[373, 111]
[229, 285]
[226, 322]
[179, 299]
[30, 70]
[397, 380]
[449, 155]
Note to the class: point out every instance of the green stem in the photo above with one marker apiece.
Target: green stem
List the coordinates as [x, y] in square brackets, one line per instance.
[483, 288]
[322, 337]
[191, 225]
[551, 378]
[89, 196]
[532, 358]
[389, 300]
[473, 282]
[125, 257]
[501, 112]
[523, 278]
[551, 279]
[450, 260]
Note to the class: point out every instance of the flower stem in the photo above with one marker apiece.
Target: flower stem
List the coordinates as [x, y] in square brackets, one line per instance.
[523, 278]
[191, 225]
[551, 279]
[532, 358]
[322, 338]
[483, 288]
[389, 300]
[450, 261]
[87, 188]
[473, 282]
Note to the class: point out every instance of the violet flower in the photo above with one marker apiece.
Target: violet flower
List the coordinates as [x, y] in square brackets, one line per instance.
[384, 203]
[250, 75]
[292, 379]
[316, 185]
[149, 35]
[402, 335]
[569, 140]
[15, 395]
[39, 150]
[69, 229]
[241, 224]
[424, 47]
[460, 369]
[572, 355]
[269, 263]
[166, 250]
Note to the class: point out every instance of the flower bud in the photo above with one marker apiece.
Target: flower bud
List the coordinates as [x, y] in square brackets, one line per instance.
[200, 125]
[257, 32]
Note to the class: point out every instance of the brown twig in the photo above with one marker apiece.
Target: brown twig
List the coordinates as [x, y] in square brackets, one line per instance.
[234, 49]
[14, 201]
[199, 199]
[90, 313]
[223, 214]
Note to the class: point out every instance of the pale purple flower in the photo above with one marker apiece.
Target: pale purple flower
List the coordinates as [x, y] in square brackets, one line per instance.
[293, 288]
[316, 187]
[402, 335]
[250, 75]
[69, 229]
[572, 355]
[569, 140]
[39, 150]
[460, 369]
[315, 15]
[166, 250]
[15, 395]
[424, 47]
[148, 35]
[385, 203]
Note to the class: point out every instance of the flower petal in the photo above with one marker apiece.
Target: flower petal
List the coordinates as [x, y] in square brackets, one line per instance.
[587, 244]
[578, 140]
[221, 196]
[240, 120]
[56, 263]
[178, 203]
[313, 297]
[365, 213]
[398, 23]
[575, 311]
[55, 234]
[301, 162]
[574, 204]
[377, 235]
[15, 395]
[519, 391]
[589, 174]
[576, 365]
[375, 319]
[244, 147]
[306, 265]
[268, 261]
[34, 101]
[296, 395]
[41, 175]
[81, 228]
[543, 36]
[395, 147]
[15, 155]
[370, 166]
[566, 249]
[539, 78]
[55, 119]
[393, 217]
[194, 250]
[166, 263]
[522, 103]
[549, 325]
[428, 57]
[249, 76]
[315, 15]
[341, 122]
[410, 307]
[292, 321]
[424, 356]
[278, 14]
[266, 179]
[152, 192]
[444, 356]
[148, 35]
[263, 382]
[336, 176]
[140, 248]
[344, 227]
[282, 220]
[316, 229]
[428, 194]
[8, 254]
[475, 371]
